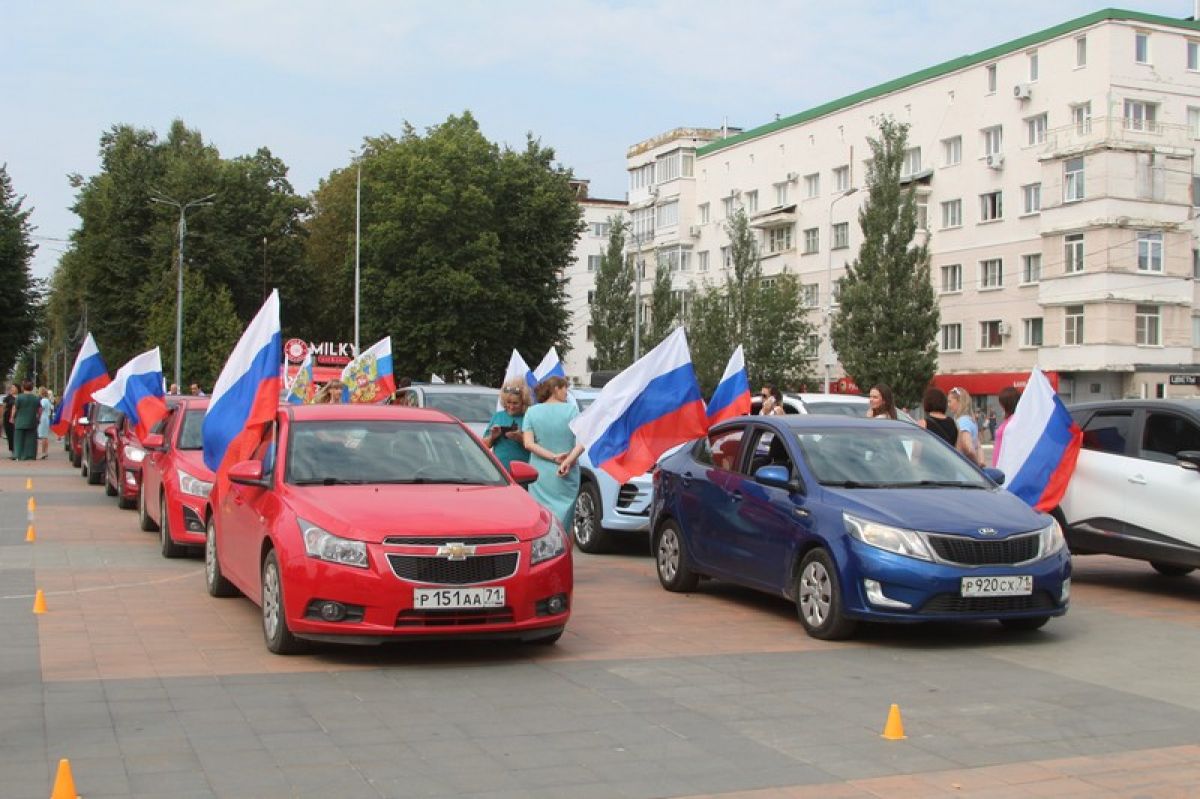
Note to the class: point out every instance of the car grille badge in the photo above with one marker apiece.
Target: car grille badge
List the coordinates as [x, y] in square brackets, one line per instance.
[455, 550]
[987, 530]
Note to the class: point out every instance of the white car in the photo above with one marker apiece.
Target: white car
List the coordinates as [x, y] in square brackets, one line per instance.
[830, 404]
[1136, 487]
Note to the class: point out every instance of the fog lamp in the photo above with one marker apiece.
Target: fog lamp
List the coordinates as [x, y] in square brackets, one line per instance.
[332, 611]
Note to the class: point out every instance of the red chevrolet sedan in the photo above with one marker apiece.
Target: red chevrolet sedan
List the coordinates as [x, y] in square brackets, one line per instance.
[175, 482]
[362, 523]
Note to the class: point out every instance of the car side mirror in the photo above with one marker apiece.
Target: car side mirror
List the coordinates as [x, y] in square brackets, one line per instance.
[522, 472]
[247, 473]
[777, 477]
[1189, 459]
[995, 475]
[82, 420]
[153, 441]
[110, 432]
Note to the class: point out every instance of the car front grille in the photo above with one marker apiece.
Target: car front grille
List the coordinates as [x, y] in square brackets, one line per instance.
[953, 603]
[974, 552]
[432, 570]
[454, 618]
[440, 540]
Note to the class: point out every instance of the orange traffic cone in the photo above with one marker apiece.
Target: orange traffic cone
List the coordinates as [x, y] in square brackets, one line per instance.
[39, 602]
[32, 505]
[28, 483]
[30, 535]
[64, 783]
[894, 729]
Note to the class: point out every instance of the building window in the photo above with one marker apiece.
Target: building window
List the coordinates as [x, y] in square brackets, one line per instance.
[1149, 251]
[1036, 128]
[812, 346]
[912, 162]
[922, 206]
[990, 336]
[951, 338]
[991, 206]
[677, 164]
[1148, 332]
[1141, 47]
[642, 224]
[812, 185]
[1081, 51]
[600, 230]
[702, 211]
[1141, 115]
[810, 295]
[779, 239]
[1073, 179]
[727, 207]
[675, 259]
[1081, 117]
[951, 278]
[1193, 55]
[594, 263]
[591, 298]
[641, 177]
[1193, 121]
[1033, 66]
[726, 257]
[991, 273]
[1073, 325]
[702, 261]
[668, 214]
[1031, 332]
[991, 79]
[841, 236]
[751, 202]
[781, 194]
[1196, 331]
[952, 151]
[1073, 253]
[952, 213]
[1031, 268]
[841, 178]
[1031, 198]
[1196, 264]
[993, 140]
[812, 240]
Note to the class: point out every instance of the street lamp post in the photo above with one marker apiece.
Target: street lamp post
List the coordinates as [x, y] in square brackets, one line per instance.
[829, 290]
[183, 209]
[357, 249]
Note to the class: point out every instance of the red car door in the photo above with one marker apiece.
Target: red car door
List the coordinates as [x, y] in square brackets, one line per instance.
[245, 521]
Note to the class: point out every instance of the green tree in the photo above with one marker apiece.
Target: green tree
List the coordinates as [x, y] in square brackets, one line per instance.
[763, 314]
[211, 327]
[612, 306]
[885, 329]
[666, 310]
[19, 297]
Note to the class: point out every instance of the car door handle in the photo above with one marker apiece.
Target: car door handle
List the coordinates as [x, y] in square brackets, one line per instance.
[736, 496]
[686, 479]
[1137, 479]
[801, 513]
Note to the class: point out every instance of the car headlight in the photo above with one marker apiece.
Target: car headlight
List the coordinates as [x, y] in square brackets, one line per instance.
[1051, 538]
[324, 545]
[890, 539]
[134, 454]
[551, 545]
[193, 485]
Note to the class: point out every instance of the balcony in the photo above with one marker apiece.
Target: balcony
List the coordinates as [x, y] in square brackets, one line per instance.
[1115, 132]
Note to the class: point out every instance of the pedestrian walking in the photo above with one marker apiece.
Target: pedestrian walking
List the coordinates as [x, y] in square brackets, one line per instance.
[25, 420]
[552, 449]
[959, 405]
[45, 411]
[991, 426]
[10, 400]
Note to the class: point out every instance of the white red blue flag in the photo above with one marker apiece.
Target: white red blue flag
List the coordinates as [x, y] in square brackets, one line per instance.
[1040, 446]
[517, 370]
[732, 397]
[644, 411]
[369, 377]
[246, 396]
[301, 389]
[137, 392]
[87, 375]
[550, 366]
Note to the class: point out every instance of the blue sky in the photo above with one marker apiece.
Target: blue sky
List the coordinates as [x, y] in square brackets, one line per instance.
[309, 79]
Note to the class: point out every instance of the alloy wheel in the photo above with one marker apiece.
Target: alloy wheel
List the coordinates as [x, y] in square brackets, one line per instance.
[816, 593]
[270, 600]
[668, 554]
[585, 520]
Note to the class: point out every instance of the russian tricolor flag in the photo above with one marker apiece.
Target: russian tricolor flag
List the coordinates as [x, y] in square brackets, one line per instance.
[137, 392]
[1040, 446]
[549, 367]
[87, 375]
[246, 395]
[644, 411]
[732, 397]
[369, 377]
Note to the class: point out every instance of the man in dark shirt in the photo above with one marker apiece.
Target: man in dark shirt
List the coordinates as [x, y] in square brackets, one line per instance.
[25, 419]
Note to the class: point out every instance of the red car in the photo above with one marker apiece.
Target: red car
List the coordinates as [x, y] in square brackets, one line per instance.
[367, 523]
[173, 499]
[123, 456]
[93, 440]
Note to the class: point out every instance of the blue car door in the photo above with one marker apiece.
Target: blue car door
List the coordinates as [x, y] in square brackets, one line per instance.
[708, 482]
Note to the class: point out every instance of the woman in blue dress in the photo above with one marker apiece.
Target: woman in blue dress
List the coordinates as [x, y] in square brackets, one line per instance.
[552, 449]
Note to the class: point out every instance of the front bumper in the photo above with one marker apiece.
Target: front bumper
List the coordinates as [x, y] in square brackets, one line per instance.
[187, 515]
[131, 482]
[627, 506]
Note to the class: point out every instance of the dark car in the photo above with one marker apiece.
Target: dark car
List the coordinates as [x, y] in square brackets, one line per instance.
[93, 440]
[1136, 487]
[855, 519]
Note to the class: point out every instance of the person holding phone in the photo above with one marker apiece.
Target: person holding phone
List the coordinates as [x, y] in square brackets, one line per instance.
[772, 401]
[504, 434]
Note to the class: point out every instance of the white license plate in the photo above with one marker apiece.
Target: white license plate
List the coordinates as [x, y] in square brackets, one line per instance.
[1007, 585]
[456, 598]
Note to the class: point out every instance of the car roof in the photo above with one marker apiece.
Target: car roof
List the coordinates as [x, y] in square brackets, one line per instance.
[853, 399]
[452, 388]
[189, 403]
[1182, 404]
[821, 421]
[332, 412]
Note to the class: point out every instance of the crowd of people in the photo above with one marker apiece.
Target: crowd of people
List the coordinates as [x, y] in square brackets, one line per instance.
[27, 414]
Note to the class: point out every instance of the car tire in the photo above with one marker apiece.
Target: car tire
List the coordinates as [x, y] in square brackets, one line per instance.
[589, 535]
[124, 502]
[670, 559]
[109, 489]
[1025, 625]
[94, 476]
[1170, 569]
[214, 581]
[819, 598]
[275, 630]
[144, 521]
[167, 545]
[76, 460]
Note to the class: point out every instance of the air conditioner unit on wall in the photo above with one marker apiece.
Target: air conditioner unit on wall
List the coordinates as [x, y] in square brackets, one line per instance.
[792, 177]
[1022, 91]
[1005, 329]
[995, 160]
[695, 231]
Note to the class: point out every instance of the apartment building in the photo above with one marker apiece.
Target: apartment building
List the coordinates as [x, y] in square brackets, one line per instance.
[580, 277]
[1057, 186]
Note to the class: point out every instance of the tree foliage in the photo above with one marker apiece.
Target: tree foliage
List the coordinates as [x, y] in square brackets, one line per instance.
[763, 314]
[666, 311]
[612, 305]
[211, 327]
[463, 244]
[19, 295]
[885, 330]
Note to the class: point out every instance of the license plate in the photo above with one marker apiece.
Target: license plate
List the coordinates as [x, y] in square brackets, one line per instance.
[1008, 585]
[455, 598]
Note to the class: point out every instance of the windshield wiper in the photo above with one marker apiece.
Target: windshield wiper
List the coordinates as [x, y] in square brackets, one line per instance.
[432, 481]
[328, 481]
[940, 484]
[852, 484]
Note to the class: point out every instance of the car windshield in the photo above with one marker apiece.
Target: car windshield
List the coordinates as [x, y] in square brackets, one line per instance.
[836, 408]
[584, 402]
[106, 414]
[885, 457]
[190, 436]
[469, 407]
[385, 451]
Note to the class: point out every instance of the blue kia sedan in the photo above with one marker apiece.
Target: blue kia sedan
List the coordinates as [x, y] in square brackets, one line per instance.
[855, 520]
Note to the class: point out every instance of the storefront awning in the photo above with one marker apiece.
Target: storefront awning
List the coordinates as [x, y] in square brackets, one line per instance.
[989, 383]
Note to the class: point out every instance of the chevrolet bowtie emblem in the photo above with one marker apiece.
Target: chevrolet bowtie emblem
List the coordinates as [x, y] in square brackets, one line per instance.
[455, 551]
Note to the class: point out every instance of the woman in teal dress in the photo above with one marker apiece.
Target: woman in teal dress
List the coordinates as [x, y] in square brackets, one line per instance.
[504, 434]
[552, 449]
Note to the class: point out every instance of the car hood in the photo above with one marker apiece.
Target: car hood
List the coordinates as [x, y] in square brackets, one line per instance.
[192, 462]
[372, 512]
[960, 511]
